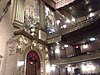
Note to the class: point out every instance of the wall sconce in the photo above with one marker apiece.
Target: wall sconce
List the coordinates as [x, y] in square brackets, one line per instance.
[20, 63]
[85, 46]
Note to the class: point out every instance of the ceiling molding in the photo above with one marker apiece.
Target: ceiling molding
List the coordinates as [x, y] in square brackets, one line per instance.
[62, 3]
[51, 3]
[56, 4]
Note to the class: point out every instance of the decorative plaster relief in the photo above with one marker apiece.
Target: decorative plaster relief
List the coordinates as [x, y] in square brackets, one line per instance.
[17, 43]
[20, 46]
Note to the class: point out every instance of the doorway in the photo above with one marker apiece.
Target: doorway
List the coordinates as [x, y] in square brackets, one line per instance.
[32, 63]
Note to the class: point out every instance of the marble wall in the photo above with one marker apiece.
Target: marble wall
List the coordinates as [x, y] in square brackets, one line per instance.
[6, 31]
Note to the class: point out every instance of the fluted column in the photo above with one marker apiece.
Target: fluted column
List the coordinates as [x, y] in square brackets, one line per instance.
[18, 12]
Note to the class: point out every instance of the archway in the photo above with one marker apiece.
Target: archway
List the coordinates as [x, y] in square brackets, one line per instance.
[32, 63]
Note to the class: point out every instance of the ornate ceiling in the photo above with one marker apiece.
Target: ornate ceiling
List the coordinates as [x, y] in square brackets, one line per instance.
[56, 4]
[80, 8]
[62, 3]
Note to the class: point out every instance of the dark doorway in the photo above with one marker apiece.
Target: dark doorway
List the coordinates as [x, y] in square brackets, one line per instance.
[77, 71]
[32, 63]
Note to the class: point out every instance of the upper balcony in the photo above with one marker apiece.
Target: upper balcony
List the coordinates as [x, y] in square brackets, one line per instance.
[76, 35]
[74, 16]
[80, 58]
[59, 30]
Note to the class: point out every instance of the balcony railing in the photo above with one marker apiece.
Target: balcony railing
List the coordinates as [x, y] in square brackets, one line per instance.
[78, 58]
[74, 27]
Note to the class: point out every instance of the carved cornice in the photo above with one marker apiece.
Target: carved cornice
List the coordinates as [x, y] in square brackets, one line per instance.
[56, 4]
[41, 28]
[62, 3]
[17, 24]
[23, 32]
[50, 3]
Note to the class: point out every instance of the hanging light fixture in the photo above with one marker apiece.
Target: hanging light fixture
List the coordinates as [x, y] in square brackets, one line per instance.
[20, 63]
[65, 45]
[92, 39]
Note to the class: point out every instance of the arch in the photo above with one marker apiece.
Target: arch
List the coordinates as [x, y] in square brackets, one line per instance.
[32, 63]
[29, 48]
